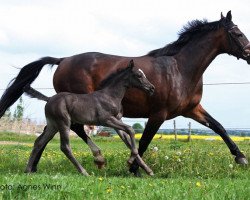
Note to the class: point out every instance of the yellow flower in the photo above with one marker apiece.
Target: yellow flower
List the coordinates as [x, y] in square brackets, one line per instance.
[100, 179]
[109, 190]
[198, 184]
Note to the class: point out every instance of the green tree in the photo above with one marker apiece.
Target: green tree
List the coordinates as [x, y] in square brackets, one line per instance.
[18, 113]
[138, 127]
[7, 114]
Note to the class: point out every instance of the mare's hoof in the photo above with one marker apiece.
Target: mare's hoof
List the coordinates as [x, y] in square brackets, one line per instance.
[138, 174]
[241, 160]
[135, 172]
[30, 171]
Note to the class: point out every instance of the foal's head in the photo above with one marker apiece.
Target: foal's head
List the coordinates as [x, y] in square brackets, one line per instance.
[236, 43]
[137, 78]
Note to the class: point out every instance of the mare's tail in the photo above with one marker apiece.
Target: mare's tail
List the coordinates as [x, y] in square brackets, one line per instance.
[31, 92]
[25, 77]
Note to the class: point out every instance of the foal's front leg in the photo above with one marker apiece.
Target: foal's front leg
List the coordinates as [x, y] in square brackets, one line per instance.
[65, 147]
[117, 124]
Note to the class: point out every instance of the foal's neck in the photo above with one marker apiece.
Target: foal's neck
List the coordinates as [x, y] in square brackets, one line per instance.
[116, 88]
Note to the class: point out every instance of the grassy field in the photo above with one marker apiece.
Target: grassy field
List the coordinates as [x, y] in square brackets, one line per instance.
[183, 170]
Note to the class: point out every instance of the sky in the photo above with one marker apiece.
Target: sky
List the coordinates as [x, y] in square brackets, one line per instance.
[32, 29]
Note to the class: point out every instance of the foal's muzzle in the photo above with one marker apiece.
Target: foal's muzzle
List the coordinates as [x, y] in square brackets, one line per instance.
[151, 90]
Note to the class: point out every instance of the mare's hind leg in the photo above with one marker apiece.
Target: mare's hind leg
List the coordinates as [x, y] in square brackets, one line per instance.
[39, 146]
[96, 151]
[65, 147]
[117, 124]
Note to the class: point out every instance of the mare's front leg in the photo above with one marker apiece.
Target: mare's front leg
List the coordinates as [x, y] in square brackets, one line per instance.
[200, 115]
[152, 126]
[117, 124]
[96, 151]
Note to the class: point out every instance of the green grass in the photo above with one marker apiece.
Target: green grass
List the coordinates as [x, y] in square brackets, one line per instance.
[183, 170]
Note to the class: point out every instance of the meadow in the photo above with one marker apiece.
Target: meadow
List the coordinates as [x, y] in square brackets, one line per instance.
[200, 169]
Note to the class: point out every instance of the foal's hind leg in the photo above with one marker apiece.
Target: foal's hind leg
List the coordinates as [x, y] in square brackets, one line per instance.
[137, 157]
[39, 146]
[117, 124]
[65, 147]
[96, 151]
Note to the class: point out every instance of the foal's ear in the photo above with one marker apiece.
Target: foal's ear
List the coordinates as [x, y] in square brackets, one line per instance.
[131, 64]
[229, 16]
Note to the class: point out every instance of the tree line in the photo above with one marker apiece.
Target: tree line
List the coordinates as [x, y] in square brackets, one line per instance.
[18, 112]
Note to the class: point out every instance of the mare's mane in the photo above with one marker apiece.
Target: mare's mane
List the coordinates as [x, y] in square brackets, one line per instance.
[194, 29]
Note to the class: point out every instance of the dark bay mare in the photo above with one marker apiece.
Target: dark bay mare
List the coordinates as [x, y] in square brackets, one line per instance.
[102, 107]
[175, 70]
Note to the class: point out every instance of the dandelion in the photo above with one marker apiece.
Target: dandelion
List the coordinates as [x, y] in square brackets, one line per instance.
[100, 179]
[55, 177]
[230, 166]
[198, 184]
[166, 157]
[109, 190]
[155, 149]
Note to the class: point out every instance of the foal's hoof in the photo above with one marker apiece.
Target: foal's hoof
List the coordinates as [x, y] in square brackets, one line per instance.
[99, 162]
[241, 160]
[84, 173]
[151, 173]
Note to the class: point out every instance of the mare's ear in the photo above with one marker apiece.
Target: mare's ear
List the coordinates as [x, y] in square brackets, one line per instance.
[229, 16]
[131, 64]
[221, 16]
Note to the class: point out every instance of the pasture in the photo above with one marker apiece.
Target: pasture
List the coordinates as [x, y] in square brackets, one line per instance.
[183, 170]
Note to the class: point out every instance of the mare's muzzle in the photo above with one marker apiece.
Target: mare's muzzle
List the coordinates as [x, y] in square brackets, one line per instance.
[246, 52]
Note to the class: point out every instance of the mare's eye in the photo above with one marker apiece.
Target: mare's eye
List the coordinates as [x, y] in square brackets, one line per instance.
[239, 34]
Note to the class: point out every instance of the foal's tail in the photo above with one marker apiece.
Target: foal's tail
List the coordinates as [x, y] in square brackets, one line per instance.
[31, 92]
[25, 77]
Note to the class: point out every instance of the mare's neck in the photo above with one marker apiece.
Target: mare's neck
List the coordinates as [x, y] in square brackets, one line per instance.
[196, 56]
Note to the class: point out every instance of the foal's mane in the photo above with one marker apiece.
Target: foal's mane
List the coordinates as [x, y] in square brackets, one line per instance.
[112, 76]
[193, 29]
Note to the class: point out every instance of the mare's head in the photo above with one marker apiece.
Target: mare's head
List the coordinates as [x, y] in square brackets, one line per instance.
[137, 79]
[235, 43]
